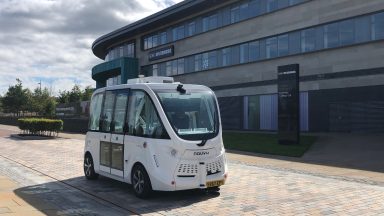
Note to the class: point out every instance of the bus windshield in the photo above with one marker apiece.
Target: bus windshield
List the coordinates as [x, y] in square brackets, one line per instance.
[193, 115]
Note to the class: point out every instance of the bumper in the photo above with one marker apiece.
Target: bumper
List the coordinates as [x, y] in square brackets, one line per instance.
[196, 174]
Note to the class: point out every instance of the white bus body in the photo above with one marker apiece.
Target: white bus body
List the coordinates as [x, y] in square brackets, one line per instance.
[156, 136]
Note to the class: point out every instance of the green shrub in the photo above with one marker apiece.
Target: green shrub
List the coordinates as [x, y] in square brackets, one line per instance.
[40, 126]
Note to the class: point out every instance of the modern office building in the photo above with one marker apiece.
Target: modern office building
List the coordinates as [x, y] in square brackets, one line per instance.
[235, 47]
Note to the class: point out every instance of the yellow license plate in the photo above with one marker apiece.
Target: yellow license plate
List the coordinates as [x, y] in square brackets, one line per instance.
[214, 183]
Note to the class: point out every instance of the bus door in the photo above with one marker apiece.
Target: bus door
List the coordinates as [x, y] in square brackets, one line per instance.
[118, 127]
[105, 131]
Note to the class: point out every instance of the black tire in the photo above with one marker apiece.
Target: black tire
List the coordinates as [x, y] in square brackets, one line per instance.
[89, 168]
[141, 183]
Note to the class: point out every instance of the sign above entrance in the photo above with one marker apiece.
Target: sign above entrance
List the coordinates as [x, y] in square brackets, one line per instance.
[161, 53]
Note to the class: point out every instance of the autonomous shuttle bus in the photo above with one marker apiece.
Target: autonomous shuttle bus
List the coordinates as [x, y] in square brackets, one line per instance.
[156, 134]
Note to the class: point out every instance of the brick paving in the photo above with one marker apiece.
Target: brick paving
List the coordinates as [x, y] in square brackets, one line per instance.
[250, 190]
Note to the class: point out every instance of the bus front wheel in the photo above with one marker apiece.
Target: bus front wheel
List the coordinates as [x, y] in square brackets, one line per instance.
[140, 182]
[89, 168]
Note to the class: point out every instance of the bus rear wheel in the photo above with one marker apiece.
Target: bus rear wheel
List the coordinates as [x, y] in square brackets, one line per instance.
[140, 182]
[89, 168]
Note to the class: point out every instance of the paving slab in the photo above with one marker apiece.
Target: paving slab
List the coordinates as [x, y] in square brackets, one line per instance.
[253, 187]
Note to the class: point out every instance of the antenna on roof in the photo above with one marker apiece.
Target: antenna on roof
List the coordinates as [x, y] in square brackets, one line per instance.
[180, 89]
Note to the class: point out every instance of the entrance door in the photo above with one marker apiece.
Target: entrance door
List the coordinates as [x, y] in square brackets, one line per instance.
[117, 135]
[105, 132]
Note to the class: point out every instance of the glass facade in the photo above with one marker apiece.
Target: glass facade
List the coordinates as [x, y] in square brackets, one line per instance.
[333, 35]
[125, 50]
[261, 112]
[116, 80]
[237, 12]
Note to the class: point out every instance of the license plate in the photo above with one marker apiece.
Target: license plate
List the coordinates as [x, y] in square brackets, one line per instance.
[214, 183]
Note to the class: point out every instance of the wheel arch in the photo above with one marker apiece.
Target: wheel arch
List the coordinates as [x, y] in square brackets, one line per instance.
[88, 153]
[138, 163]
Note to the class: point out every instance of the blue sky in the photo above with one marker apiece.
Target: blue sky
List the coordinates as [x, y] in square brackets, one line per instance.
[50, 40]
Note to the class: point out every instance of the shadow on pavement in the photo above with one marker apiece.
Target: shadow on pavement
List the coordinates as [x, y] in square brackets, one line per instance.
[56, 198]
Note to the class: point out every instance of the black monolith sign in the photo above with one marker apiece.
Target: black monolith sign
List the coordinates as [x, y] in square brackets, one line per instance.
[288, 104]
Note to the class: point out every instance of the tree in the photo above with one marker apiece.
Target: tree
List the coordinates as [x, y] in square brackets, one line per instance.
[16, 99]
[63, 97]
[1, 104]
[75, 95]
[87, 93]
[39, 101]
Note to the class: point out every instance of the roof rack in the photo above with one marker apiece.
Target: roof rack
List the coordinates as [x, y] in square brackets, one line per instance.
[151, 79]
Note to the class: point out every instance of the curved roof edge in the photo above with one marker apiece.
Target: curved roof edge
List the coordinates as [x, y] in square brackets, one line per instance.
[177, 11]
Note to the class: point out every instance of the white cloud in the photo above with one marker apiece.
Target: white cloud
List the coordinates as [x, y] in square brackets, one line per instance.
[50, 40]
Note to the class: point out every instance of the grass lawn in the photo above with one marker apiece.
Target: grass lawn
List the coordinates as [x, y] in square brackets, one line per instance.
[265, 143]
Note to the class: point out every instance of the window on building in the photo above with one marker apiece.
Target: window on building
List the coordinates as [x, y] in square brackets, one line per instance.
[293, 2]
[129, 50]
[145, 43]
[174, 67]
[235, 55]
[319, 38]
[294, 42]
[212, 59]
[254, 51]
[283, 45]
[178, 32]
[198, 62]
[244, 11]
[115, 80]
[205, 61]
[121, 51]
[162, 69]
[95, 111]
[308, 40]
[226, 56]
[271, 47]
[191, 28]
[331, 35]
[347, 32]
[210, 22]
[154, 41]
[244, 53]
[253, 113]
[168, 68]
[378, 26]
[362, 29]
[163, 37]
[262, 44]
[190, 64]
[205, 24]
[235, 14]
[180, 66]
[254, 8]
[282, 3]
[155, 70]
[272, 5]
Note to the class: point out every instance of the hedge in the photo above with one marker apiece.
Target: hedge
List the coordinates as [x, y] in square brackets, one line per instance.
[40, 126]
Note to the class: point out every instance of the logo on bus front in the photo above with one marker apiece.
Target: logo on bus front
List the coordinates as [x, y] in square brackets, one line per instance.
[200, 153]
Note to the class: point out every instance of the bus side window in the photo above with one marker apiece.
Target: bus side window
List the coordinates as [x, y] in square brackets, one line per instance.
[117, 125]
[106, 115]
[95, 110]
[142, 118]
